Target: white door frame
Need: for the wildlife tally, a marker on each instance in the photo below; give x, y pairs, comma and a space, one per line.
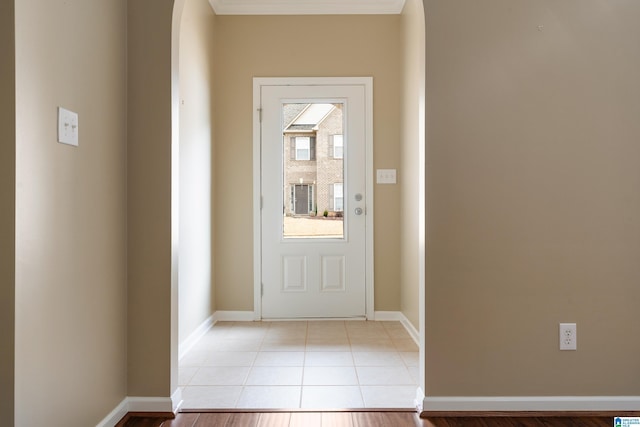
258, 83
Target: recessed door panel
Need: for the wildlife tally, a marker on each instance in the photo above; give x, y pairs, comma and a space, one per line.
333, 268
294, 273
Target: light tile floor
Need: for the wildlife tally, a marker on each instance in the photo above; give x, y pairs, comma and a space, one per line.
303, 364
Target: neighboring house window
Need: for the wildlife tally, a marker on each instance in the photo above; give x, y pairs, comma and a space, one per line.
336, 200
303, 148
336, 147
337, 197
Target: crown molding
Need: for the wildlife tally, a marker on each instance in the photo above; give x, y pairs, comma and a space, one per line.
307, 7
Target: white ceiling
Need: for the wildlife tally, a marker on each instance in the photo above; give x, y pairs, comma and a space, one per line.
306, 7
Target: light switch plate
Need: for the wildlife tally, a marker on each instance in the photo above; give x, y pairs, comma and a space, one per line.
67, 127
386, 176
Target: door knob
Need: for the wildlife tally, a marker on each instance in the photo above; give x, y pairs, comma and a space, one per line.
358, 211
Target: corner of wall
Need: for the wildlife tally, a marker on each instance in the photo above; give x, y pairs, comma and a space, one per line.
196, 33
149, 240
412, 160
7, 210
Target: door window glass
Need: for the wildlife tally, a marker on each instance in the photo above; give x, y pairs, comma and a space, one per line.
313, 152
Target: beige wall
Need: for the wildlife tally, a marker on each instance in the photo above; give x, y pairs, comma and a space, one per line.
531, 181
533, 214
7, 208
196, 296
412, 79
70, 223
149, 245
302, 46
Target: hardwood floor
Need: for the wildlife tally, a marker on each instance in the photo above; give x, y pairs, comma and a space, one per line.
356, 419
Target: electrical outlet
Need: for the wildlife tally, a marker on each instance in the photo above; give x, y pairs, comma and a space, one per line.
568, 336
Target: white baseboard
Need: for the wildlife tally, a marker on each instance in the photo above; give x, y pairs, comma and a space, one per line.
229, 316
412, 330
200, 331
116, 415
531, 403
419, 401
398, 316
194, 337
176, 400
234, 316
142, 404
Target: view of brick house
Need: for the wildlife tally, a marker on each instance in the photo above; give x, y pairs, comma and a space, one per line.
313, 159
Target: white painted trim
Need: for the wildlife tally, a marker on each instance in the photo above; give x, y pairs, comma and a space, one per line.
422, 199
398, 316
411, 330
532, 403
257, 198
142, 404
116, 415
258, 82
176, 400
204, 327
419, 401
369, 253
297, 7
194, 337
176, 21
234, 316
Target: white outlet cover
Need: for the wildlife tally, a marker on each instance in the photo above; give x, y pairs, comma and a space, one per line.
568, 336
67, 127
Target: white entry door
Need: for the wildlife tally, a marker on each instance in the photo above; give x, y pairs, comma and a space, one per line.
313, 187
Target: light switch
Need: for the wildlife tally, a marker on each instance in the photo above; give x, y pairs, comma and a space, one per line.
386, 176
67, 127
